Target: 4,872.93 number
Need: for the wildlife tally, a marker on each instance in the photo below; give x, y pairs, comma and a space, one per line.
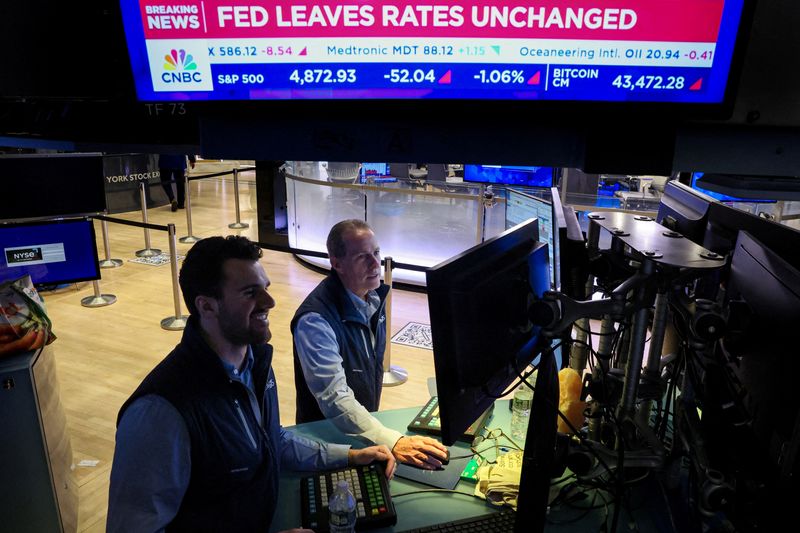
624, 81
323, 75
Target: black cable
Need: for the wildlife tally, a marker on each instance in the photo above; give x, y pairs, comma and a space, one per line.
434, 490
620, 487
546, 352
574, 430
586, 511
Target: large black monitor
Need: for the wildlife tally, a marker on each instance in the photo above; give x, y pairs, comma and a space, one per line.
51, 252
750, 414
483, 339
482, 336
684, 210
51, 185
725, 222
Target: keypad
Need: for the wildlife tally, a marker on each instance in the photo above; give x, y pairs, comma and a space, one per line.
369, 486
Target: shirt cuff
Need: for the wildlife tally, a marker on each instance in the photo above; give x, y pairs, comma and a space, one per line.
338, 455
388, 436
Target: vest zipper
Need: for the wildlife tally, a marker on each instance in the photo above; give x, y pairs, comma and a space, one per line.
364, 338
244, 423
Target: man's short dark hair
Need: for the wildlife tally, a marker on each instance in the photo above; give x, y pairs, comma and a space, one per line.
335, 243
202, 274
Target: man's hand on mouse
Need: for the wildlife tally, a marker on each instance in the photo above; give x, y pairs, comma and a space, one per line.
422, 452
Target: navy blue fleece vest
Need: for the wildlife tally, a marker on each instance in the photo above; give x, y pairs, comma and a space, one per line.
363, 364
235, 463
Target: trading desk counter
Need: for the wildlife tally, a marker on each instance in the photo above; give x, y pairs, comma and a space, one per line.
645, 504
413, 510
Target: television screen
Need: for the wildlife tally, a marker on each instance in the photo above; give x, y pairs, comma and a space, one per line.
61, 251
376, 173
722, 197
644, 51
51, 185
510, 175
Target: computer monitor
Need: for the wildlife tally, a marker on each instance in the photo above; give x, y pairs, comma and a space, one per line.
61, 251
684, 210
724, 223
399, 170
570, 250
510, 175
751, 419
696, 176
520, 207
51, 185
436, 172
483, 338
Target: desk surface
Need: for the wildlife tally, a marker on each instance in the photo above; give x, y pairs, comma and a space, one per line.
414, 510
426, 508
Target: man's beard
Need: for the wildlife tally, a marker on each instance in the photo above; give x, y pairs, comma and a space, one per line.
240, 335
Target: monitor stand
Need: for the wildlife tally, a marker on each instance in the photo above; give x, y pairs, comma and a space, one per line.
539, 454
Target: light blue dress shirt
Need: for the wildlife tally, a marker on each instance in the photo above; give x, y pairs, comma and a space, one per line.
152, 459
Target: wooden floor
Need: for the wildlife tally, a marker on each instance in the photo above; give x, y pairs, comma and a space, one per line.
103, 353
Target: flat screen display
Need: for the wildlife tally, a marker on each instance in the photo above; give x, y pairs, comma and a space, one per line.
723, 197
376, 173
52, 185
510, 175
521, 207
590, 50
51, 252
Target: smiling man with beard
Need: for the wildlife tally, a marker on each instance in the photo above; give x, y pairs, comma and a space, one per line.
339, 341
199, 443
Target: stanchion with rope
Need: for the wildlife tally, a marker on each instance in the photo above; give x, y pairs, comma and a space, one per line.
178, 321
238, 224
107, 262
147, 251
392, 375
98, 300
189, 238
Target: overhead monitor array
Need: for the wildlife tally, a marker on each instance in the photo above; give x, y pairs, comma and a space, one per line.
676, 51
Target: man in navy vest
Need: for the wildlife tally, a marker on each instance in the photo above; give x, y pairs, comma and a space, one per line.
339, 340
199, 443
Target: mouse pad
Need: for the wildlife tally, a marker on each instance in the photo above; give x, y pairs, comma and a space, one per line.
447, 478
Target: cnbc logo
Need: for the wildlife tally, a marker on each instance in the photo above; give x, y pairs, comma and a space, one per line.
179, 67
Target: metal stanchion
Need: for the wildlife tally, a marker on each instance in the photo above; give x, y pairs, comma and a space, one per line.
147, 251
392, 375
238, 224
107, 262
189, 238
177, 322
98, 300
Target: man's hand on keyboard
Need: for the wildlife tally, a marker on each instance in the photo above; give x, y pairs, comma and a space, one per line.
366, 456
419, 451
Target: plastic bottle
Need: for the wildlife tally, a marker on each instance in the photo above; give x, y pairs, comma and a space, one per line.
521, 412
342, 509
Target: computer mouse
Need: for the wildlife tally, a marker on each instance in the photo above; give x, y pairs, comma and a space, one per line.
446, 460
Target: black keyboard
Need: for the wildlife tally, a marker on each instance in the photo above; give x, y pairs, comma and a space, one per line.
374, 507
428, 422
499, 522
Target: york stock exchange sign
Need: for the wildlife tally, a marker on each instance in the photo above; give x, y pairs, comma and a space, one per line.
122, 175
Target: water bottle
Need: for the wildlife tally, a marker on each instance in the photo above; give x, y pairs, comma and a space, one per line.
342, 509
521, 412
